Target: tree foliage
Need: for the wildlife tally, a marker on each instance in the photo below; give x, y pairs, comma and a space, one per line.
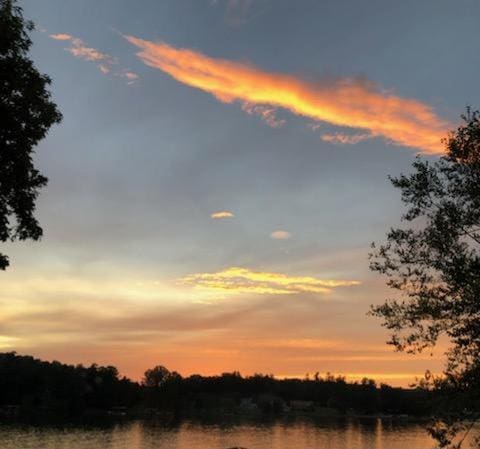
155, 377
38, 388
434, 266
27, 113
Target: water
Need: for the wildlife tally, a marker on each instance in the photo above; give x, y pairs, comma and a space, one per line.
297, 434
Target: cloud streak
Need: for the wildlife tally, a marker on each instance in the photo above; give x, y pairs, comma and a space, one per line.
267, 114
222, 214
243, 280
280, 235
343, 102
82, 51
106, 63
345, 139
61, 37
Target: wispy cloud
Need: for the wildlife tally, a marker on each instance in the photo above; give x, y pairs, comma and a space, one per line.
222, 214
266, 113
345, 139
105, 69
314, 126
344, 102
280, 235
243, 280
106, 63
239, 12
131, 77
80, 50
61, 37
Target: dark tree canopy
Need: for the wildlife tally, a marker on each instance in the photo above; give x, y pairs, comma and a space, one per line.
156, 377
32, 388
27, 114
434, 263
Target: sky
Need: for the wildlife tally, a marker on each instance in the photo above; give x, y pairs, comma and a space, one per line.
219, 175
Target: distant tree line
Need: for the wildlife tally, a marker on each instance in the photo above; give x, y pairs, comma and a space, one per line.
30, 387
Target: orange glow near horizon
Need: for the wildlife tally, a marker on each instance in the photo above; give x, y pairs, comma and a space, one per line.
345, 102
220, 361
235, 319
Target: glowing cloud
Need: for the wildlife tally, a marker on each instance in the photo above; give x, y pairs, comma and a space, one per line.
280, 235
88, 53
80, 50
344, 102
105, 62
243, 280
61, 37
222, 214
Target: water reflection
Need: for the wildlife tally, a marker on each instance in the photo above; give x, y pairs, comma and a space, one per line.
285, 434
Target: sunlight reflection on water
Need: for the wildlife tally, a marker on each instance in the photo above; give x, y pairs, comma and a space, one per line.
346, 434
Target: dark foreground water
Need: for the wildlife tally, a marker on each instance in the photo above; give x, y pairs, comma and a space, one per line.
297, 434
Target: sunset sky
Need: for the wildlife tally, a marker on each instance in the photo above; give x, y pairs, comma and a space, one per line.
219, 175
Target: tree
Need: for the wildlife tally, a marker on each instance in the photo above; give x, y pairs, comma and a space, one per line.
27, 114
155, 377
434, 266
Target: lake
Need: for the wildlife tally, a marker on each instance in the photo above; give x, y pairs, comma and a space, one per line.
285, 434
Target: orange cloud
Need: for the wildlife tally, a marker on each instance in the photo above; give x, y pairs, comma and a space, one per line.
88, 53
106, 63
222, 214
61, 37
345, 102
280, 235
243, 280
80, 50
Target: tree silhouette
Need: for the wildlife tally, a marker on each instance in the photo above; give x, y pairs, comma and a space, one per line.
434, 265
27, 114
36, 388
155, 377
